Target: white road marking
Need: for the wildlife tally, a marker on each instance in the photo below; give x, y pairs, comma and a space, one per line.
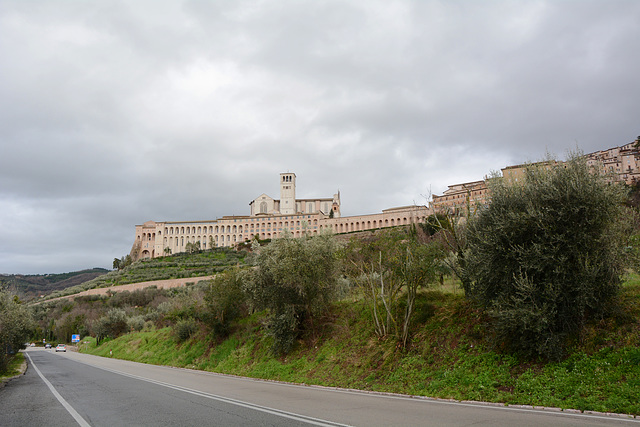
278, 412
391, 396
81, 421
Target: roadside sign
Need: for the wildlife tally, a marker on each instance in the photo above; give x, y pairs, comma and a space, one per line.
75, 338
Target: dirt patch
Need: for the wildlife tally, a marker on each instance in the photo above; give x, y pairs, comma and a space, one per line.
160, 284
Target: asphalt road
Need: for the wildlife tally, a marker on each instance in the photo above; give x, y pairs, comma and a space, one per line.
77, 389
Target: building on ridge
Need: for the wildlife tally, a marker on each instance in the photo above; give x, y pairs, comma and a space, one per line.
268, 218
459, 197
289, 205
620, 164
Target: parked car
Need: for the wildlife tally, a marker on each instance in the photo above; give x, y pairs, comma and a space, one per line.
47, 345
61, 347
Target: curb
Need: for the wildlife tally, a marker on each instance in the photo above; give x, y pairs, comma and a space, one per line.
478, 403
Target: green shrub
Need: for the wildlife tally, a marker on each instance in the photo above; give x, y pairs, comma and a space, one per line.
545, 255
15, 326
225, 299
112, 325
184, 329
136, 323
296, 279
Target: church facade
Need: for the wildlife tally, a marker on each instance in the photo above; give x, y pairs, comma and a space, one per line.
268, 218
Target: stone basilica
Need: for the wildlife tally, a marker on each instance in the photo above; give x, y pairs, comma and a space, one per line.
268, 218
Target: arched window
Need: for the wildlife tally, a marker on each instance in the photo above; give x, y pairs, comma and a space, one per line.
263, 207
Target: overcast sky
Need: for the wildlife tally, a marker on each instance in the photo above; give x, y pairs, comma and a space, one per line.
113, 113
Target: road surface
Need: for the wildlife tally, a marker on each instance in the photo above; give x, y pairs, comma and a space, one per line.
78, 389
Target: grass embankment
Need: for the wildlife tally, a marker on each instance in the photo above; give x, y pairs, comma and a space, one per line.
13, 368
448, 357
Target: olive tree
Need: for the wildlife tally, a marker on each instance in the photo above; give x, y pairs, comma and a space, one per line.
192, 247
545, 255
296, 279
225, 299
389, 269
111, 325
16, 325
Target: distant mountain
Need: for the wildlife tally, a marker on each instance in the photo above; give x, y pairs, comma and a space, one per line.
33, 285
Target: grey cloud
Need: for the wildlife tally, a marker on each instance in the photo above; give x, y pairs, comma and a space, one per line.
116, 113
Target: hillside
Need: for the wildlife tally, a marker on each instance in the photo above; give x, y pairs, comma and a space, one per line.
178, 266
32, 286
217, 326
449, 356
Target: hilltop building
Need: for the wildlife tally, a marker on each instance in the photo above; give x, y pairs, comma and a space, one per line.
459, 197
621, 164
268, 218
289, 205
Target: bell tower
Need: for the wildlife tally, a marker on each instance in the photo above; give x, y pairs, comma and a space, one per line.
288, 193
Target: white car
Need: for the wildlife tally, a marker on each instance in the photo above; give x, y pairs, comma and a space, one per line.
61, 347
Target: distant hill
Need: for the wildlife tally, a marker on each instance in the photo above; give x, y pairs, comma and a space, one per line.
176, 266
33, 285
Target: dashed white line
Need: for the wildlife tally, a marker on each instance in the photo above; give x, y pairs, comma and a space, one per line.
76, 416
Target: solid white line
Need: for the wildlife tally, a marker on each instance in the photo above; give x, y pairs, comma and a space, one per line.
272, 411
278, 412
81, 421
